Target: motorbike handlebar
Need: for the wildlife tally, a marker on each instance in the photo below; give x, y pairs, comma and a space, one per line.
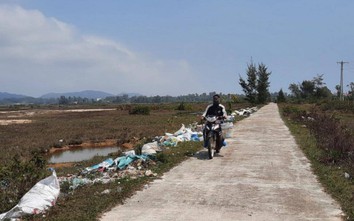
217, 119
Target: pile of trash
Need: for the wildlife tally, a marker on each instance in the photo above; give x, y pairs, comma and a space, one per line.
131, 164
244, 112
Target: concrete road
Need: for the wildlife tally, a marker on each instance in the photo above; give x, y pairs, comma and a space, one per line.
260, 175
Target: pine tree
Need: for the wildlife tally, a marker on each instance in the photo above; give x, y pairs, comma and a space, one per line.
262, 84
249, 87
281, 97
257, 84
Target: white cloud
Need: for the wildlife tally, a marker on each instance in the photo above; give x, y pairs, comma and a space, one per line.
39, 54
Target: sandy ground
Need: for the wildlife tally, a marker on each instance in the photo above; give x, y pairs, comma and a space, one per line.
15, 121
20, 117
260, 175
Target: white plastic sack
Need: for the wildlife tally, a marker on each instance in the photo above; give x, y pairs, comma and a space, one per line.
129, 153
180, 131
38, 199
150, 148
227, 125
227, 129
186, 136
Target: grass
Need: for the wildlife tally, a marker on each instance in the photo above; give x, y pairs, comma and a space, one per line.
75, 127
330, 175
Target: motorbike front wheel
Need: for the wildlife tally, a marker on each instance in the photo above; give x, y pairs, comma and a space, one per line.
211, 146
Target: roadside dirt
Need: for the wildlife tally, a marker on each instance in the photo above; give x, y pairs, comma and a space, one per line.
260, 175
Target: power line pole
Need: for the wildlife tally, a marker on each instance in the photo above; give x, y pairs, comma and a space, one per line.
341, 79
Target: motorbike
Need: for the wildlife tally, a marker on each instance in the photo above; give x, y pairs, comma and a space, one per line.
212, 134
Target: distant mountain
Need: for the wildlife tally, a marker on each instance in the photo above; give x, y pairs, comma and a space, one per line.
84, 94
5, 95
8, 98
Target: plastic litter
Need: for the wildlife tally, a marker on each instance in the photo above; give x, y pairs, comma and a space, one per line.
124, 161
180, 131
244, 112
105, 164
150, 148
76, 182
227, 129
38, 199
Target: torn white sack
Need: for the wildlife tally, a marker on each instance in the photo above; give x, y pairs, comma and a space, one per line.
38, 199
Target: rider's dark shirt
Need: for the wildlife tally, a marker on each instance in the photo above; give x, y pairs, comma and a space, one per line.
215, 110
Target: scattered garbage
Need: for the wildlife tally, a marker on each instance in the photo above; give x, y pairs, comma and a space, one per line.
106, 191
105, 164
130, 164
307, 118
45, 193
346, 175
124, 161
38, 199
151, 148
245, 112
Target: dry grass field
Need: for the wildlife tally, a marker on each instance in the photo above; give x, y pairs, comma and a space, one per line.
24, 131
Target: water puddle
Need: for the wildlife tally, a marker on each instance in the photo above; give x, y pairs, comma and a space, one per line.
80, 154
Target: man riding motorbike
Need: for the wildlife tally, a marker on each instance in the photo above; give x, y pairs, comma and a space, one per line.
215, 109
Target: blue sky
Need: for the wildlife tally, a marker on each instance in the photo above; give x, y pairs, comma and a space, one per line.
171, 47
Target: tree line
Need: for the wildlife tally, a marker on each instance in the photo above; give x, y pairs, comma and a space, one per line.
314, 90
122, 99
255, 88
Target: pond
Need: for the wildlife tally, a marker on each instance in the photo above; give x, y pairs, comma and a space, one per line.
80, 154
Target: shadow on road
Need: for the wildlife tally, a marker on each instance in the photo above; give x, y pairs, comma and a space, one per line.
203, 155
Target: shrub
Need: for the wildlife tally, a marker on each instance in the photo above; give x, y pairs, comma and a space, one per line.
161, 157
18, 177
293, 112
345, 106
141, 110
332, 137
77, 141
183, 107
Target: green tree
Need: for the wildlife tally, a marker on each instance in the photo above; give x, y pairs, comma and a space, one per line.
249, 87
262, 84
321, 91
295, 90
281, 97
351, 91
311, 89
257, 84
338, 89
63, 100
307, 89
